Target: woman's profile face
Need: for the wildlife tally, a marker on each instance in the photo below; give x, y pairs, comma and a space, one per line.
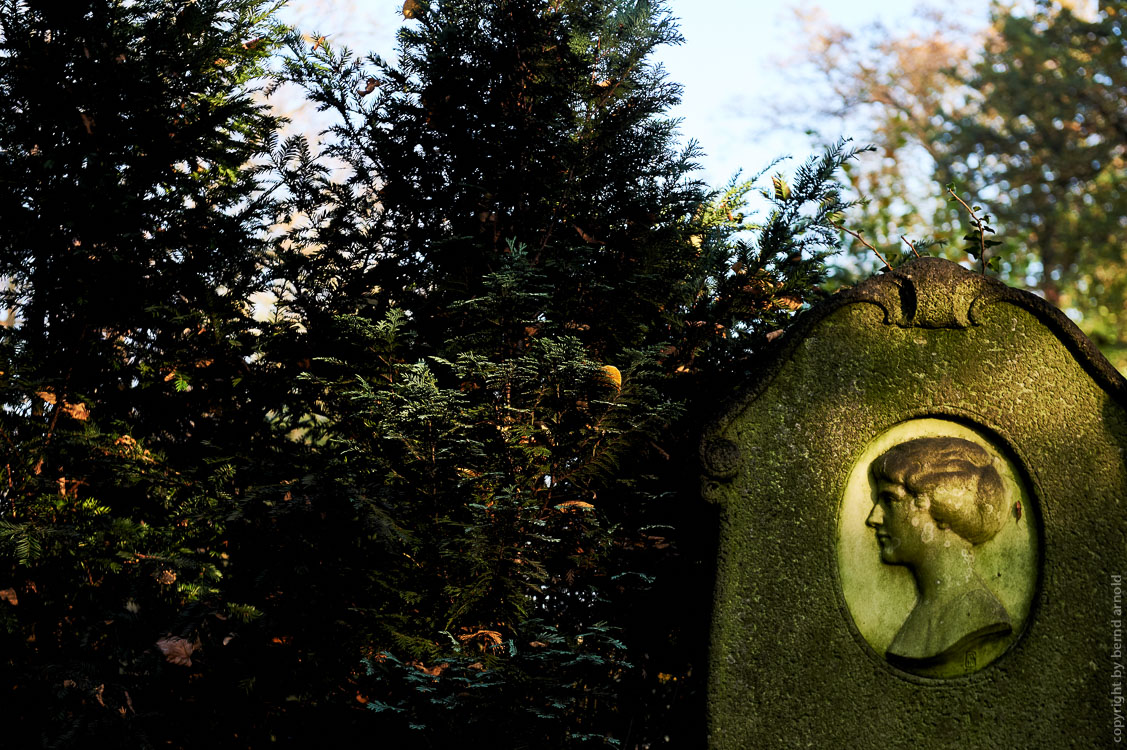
904, 526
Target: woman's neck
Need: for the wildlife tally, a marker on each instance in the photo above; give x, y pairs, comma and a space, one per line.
946, 570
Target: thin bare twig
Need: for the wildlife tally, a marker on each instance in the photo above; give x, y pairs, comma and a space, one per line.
911, 245
865, 243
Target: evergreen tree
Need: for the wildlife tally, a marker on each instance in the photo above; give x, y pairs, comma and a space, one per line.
503, 312
448, 487
132, 218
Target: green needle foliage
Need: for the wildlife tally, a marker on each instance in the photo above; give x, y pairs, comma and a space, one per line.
132, 214
445, 495
513, 304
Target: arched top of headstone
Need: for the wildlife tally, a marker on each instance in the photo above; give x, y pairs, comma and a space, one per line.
929, 293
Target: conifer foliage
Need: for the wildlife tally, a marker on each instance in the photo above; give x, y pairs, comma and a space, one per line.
445, 496
131, 217
513, 242
525, 286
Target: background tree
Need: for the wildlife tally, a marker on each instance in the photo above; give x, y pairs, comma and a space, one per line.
1020, 117
1045, 151
896, 89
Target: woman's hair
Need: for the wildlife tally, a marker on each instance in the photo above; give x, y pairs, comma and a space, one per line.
957, 476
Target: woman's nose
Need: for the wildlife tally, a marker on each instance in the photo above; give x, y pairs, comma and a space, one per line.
876, 516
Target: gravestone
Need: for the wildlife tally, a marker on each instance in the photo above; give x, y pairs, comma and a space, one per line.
924, 527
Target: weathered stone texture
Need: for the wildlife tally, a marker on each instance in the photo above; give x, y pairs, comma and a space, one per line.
788, 667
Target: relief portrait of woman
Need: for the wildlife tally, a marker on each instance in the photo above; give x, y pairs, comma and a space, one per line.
936, 499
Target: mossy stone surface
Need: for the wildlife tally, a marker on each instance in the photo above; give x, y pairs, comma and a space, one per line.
790, 665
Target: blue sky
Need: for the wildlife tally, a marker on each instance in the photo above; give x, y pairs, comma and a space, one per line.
731, 65
750, 44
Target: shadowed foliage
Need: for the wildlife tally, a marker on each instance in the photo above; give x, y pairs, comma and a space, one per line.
446, 481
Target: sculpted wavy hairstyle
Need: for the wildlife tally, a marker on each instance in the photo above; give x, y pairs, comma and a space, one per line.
957, 477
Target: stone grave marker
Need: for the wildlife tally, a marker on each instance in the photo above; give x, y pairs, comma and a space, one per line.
924, 527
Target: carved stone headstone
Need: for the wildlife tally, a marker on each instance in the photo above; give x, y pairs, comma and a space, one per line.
925, 521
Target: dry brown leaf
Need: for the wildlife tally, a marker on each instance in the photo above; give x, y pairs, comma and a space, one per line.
538, 644
477, 665
9, 595
77, 411
413, 9
434, 671
127, 441
46, 396
588, 238
177, 650
788, 303
87, 122
490, 635
371, 86
568, 505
